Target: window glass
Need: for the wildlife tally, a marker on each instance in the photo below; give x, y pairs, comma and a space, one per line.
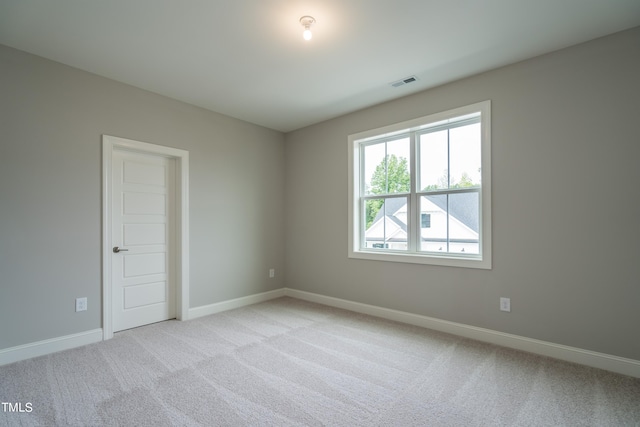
434, 238
434, 162
465, 156
464, 221
386, 167
374, 155
386, 223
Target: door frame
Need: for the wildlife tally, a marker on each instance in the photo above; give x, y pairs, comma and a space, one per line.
181, 250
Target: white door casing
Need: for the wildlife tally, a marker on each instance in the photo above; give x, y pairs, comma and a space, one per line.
145, 214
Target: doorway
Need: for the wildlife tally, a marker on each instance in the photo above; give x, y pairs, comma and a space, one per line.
145, 234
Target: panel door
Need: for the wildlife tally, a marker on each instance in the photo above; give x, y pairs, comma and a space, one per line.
143, 234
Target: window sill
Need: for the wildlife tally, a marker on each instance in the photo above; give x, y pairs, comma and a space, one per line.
445, 261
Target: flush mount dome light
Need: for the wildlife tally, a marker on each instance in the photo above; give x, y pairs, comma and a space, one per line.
306, 22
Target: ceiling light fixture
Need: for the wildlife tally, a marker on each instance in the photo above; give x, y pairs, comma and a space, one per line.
306, 22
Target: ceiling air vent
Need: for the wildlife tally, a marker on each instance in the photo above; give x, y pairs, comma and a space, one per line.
404, 81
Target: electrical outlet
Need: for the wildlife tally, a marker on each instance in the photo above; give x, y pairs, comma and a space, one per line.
81, 304
505, 304
272, 273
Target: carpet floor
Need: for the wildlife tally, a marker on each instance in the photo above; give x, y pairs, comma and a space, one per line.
288, 362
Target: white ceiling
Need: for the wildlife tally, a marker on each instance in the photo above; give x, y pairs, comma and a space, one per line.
247, 58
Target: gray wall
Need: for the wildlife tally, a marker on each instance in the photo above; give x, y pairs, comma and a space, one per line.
566, 240
51, 121
566, 204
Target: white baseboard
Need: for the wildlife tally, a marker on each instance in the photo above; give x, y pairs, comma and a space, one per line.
206, 310
53, 345
594, 359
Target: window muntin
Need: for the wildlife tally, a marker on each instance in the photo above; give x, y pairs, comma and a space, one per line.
429, 201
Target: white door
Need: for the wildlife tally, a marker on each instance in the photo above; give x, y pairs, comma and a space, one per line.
143, 239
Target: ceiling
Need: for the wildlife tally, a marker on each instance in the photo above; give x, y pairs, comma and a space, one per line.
247, 58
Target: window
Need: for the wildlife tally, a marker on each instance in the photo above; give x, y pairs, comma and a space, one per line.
420, 190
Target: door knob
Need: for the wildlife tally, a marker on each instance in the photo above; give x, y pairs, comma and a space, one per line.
117, 249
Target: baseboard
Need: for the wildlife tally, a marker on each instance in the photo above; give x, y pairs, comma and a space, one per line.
53, 345
206, 310
594, 359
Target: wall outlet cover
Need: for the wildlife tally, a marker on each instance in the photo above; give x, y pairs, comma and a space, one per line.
81, 304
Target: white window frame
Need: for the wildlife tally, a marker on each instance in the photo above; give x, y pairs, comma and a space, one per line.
355, 141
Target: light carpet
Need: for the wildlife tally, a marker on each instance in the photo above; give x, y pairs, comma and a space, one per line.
288, 362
